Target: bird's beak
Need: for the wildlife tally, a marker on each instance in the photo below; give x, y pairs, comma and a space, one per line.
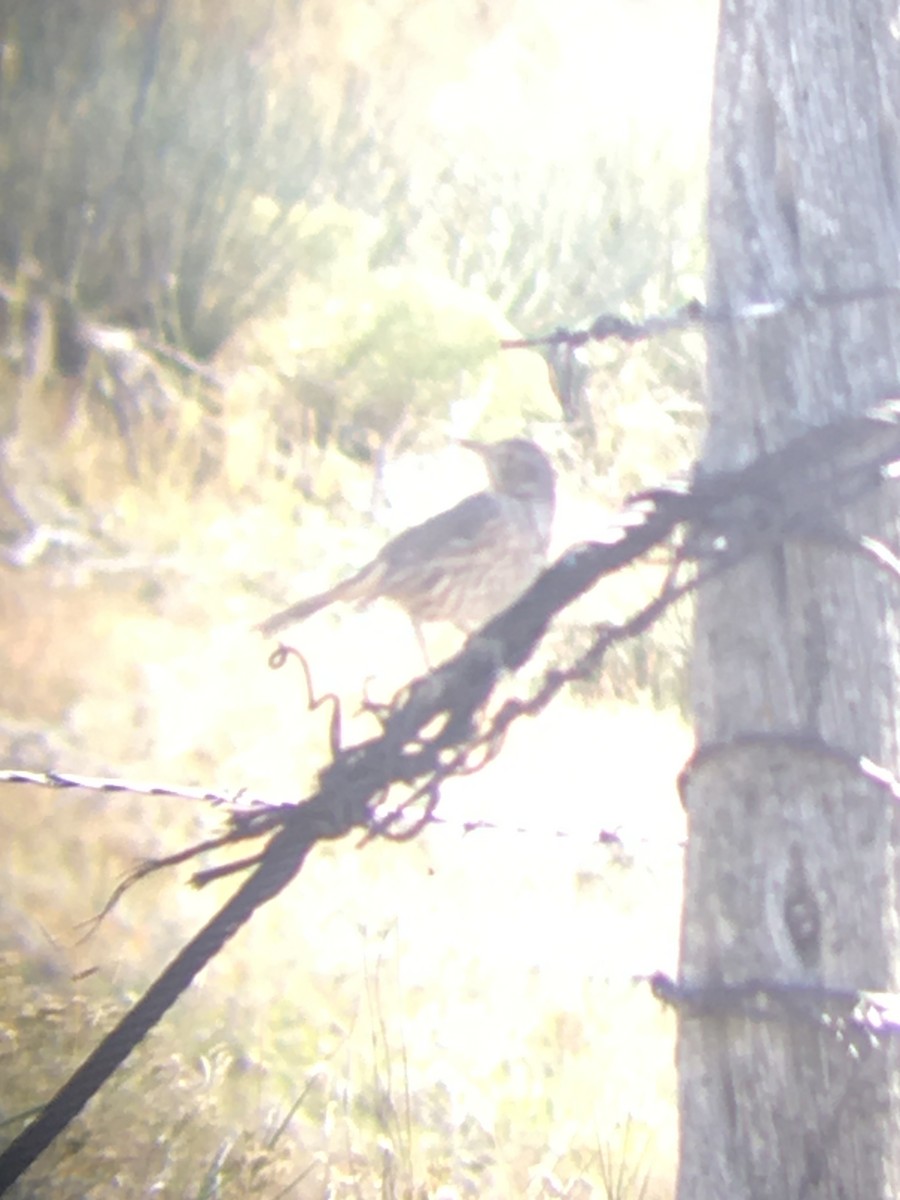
470, 444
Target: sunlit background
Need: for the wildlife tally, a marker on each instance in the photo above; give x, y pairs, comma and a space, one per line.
255, 261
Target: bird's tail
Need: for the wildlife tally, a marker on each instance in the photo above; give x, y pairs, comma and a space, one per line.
354, 588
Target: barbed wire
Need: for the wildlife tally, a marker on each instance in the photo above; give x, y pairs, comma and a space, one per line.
861, 1018
799, 742
696, 315
239, 804
97, 783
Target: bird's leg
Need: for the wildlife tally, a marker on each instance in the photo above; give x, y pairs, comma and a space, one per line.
420, 638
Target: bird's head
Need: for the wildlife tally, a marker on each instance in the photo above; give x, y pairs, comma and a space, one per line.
517, 467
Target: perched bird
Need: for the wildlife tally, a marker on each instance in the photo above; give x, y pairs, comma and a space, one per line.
465, 564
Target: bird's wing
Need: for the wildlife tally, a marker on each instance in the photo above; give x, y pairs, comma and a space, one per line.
467, 524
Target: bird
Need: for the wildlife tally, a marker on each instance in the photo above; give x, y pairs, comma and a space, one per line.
465, 564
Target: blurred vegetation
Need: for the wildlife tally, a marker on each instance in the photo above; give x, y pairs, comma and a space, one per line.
251, 255
182, 170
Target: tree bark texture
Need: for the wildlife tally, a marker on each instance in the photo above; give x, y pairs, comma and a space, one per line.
791, 872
